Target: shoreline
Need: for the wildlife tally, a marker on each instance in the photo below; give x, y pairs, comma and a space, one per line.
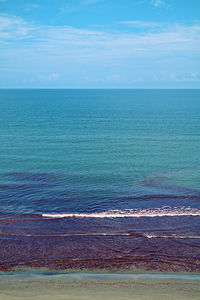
101, 275
88, 286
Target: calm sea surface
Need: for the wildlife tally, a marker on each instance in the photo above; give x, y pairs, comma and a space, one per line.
100, 178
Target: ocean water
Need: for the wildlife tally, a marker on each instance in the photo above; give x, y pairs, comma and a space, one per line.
100, 179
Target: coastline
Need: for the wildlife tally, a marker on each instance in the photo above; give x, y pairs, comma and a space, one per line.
93, 285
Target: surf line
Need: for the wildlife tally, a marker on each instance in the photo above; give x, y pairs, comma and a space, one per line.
137, 235
150, 213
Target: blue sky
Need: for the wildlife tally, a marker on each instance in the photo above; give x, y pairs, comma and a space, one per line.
99, 44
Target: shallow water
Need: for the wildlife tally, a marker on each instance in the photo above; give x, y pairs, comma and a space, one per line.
94, 287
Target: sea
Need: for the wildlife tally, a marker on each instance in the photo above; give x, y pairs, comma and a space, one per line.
100, 179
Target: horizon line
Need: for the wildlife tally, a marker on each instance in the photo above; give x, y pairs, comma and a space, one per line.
82, 88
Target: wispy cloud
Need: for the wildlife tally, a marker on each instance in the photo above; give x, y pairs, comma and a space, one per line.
49, 77
141, 24
113, 77
158, 3
34, 5
66, 8
13, 27
185, 77
48, 52
31, 6
75, 6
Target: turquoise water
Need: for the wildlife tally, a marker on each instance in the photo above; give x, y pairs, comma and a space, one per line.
100, 142
102, 276
108, 152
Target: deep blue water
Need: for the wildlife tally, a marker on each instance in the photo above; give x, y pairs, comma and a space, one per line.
109, 153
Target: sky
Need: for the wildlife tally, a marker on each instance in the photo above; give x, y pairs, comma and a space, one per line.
99, 44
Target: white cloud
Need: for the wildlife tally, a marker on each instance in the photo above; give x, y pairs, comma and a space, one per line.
99, 55
184, 77
77, 5
49, 77
142, 24
14, 28
158, 3
35, 5
113, 77
67, 8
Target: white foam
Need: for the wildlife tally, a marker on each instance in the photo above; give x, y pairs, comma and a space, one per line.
146, 235
153, 236
131, 213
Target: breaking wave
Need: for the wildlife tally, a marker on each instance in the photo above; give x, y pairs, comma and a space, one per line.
131, 213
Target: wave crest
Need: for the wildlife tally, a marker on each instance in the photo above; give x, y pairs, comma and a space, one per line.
131, 213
